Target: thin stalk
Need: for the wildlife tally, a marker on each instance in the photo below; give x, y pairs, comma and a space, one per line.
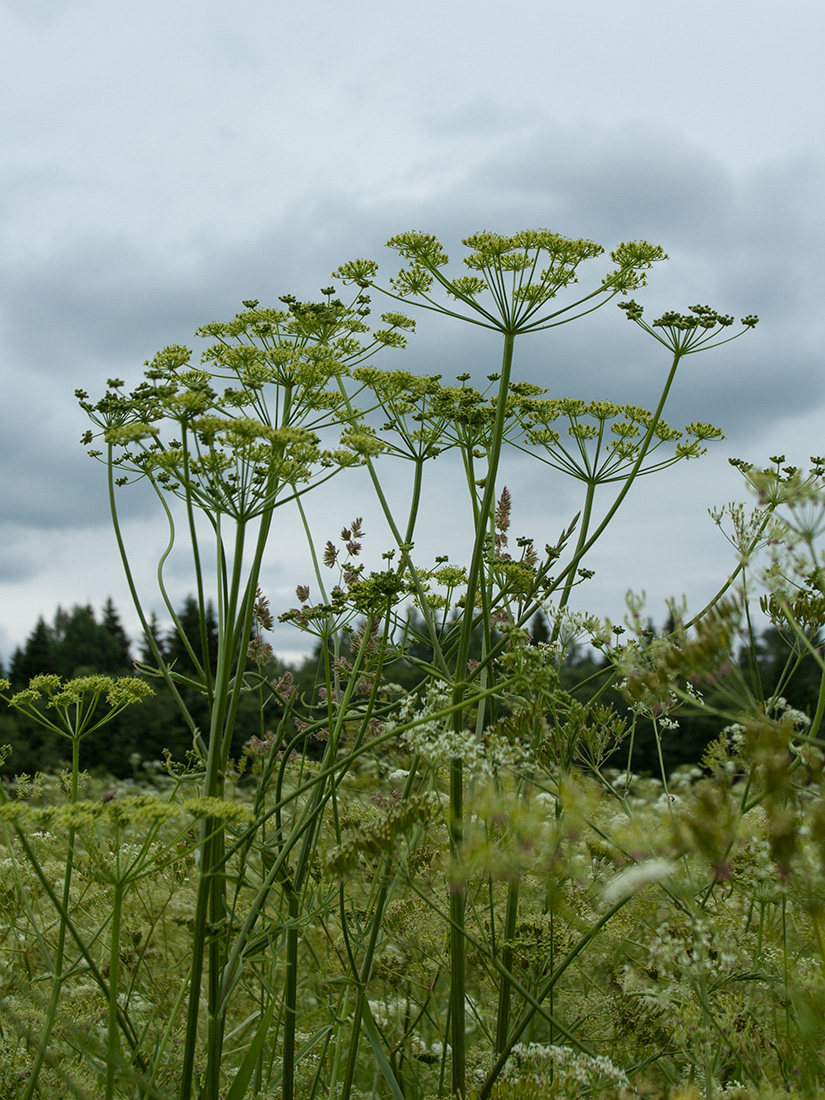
404, 541
342, 765
130, 581
740, 568
113, 1052
211, 882
457, 891
504, 989
57, 984
295, 886
340, 1016
584, 527
193, 538
128, 1030
529, 998
291, 994
363, 982
543, 993
820, 709
312, 552
235, 612
487, 504
214, 831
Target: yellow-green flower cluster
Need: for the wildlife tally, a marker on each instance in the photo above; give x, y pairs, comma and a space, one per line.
515, 277
687, 333
380, 836
76, 701
241, 450
607, 437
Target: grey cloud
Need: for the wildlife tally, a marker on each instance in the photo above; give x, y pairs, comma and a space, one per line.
98, 302
100, 307
747, 243
17, 562
37, 12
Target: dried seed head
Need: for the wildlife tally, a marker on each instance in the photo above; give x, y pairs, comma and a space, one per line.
261, 612
503, 510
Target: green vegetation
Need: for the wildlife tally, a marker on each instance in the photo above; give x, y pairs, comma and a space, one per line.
136, 741
433, 868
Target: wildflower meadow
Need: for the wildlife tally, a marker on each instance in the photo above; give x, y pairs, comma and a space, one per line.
456, 882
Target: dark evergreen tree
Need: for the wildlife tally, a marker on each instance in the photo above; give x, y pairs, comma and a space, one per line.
78, 644
147, 657
121, 646
196, 628
82, 645
36, 657
539, 630
33, 748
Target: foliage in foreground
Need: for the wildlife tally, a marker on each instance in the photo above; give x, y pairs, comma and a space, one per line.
661, 943
446, 890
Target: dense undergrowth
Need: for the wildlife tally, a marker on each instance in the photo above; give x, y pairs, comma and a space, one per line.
459, 886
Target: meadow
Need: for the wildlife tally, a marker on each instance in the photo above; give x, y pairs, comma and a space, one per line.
459, 886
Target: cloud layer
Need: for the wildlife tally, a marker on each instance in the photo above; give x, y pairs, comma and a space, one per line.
172, 169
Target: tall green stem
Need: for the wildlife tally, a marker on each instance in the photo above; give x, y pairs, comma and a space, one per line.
584, 526
457, 890
113, 1035
504, 989
57, 984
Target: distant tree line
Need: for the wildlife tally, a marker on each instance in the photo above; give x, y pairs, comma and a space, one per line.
80, 642
752, 674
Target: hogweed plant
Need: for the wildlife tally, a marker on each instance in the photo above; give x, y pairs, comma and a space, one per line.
514, 292
460, 887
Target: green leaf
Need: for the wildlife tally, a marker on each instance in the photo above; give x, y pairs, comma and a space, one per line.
244, 1075
380, 1057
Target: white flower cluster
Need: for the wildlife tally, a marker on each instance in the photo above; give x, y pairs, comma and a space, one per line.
736, 737
570, 1065
682, 954
438, 743
694, 693
572, 627
779, 706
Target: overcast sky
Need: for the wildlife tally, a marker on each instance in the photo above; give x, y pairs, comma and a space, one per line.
162, 161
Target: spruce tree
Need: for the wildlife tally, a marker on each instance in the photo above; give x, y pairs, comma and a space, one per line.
147, 657
35, 658
81, 645
539, 631
121, 656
